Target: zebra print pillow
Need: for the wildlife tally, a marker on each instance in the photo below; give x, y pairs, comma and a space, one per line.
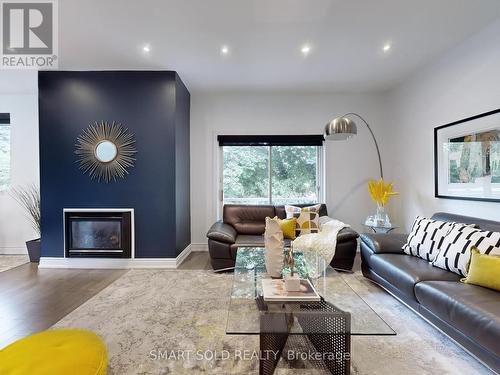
455, 253
426, 238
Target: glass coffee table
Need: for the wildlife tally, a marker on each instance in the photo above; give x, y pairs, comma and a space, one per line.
325, 326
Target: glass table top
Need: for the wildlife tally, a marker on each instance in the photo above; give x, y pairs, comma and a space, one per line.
392, 226
341, 311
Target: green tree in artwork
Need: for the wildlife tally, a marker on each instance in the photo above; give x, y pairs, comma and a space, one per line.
454, 176
495, 162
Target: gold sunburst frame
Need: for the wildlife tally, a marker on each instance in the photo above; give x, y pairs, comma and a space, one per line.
91, 137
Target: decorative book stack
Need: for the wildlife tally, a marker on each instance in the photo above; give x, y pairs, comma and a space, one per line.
274, 290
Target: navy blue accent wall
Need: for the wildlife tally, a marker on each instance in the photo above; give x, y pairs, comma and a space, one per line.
154, 105
182, 167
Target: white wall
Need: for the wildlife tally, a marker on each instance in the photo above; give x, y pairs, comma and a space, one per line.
349, 164
462, 83
19, 97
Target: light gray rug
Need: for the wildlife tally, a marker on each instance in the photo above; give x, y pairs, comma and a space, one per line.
147, 311
10, 261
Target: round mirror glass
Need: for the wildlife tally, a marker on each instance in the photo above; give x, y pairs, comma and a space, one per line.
105, 151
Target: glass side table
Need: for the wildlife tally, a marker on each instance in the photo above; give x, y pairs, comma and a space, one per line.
381, 228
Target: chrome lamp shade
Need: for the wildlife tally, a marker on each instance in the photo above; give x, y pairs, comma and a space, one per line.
340, 129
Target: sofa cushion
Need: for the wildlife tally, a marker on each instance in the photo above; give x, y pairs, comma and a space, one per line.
248, 240
247, 219
473, 310
245, 240
404, 271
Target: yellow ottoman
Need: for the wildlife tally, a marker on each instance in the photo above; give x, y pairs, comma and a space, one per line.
55, 352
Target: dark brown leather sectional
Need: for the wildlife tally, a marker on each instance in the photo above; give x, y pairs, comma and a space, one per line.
244, 225
469, 314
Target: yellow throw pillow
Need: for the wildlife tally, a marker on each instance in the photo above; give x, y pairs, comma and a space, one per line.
288, 227
484, 270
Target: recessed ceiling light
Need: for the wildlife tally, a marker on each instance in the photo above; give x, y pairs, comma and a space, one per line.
224, 50
387, 47
146, 48
305, 49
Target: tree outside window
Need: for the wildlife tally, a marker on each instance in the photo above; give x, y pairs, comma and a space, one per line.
293, 178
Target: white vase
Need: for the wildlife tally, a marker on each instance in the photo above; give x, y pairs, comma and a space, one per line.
273, 239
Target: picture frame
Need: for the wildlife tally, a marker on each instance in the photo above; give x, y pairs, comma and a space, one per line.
467, 158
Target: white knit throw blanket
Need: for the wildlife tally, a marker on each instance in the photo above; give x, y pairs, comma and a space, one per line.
324, 242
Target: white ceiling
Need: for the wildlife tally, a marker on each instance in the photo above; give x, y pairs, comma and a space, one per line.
265, 37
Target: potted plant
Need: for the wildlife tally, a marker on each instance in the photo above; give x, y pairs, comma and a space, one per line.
28, 198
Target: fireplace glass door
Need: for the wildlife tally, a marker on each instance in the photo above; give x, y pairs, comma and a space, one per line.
97, 234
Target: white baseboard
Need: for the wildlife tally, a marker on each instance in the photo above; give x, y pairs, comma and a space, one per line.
183, 255
199, 247
109, 263
13, 250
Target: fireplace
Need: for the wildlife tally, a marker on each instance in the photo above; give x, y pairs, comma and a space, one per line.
98, 233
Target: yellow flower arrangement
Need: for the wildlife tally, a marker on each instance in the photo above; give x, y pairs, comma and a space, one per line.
381, 192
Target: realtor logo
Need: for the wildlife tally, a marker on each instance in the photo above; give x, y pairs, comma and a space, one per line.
29, 34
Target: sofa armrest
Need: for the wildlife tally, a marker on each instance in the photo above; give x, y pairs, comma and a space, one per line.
222, 232
346, 234
384, 243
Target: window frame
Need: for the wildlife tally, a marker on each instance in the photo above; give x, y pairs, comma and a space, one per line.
320, 176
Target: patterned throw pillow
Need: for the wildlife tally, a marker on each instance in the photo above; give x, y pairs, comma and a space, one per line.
455, 252
426, 238
307, 218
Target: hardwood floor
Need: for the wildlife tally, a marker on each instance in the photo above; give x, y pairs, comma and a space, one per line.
32, 299
198, 260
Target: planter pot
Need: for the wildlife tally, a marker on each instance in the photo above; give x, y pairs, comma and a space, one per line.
33, 247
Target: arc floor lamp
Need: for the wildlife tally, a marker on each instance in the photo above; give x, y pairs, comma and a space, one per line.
342, 128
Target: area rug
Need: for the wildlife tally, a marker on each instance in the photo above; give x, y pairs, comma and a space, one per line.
11, 261
173, 322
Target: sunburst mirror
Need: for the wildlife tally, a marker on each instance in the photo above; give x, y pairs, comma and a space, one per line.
105, 151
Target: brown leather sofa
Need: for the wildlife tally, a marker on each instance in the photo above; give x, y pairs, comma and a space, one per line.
467, 313
244, 225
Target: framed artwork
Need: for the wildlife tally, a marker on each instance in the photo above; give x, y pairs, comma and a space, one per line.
467, 158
